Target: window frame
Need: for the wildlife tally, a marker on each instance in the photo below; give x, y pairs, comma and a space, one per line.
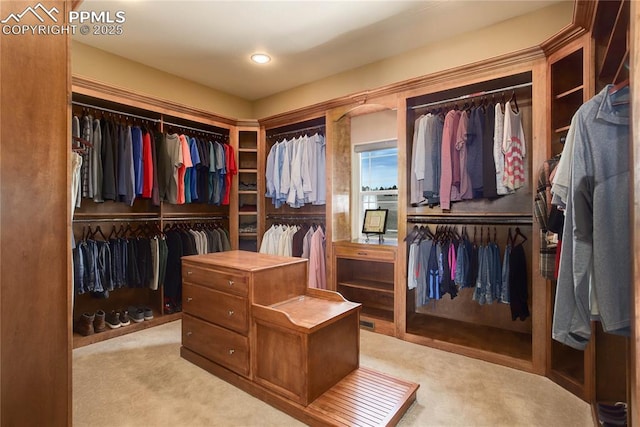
358, 205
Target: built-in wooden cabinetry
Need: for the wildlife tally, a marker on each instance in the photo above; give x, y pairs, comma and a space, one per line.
570, 86
366, 273
612, 356
577, 71
117, 217
277, 131
250, 200
459, 323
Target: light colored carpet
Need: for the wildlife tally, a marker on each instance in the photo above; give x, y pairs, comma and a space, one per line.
140, 380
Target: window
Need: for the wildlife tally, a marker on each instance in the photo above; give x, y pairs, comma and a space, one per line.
377, 182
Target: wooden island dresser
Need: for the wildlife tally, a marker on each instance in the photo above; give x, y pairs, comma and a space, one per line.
251, 320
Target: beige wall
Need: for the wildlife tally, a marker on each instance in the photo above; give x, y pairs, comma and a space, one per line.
508, 36
379, 126
97, 64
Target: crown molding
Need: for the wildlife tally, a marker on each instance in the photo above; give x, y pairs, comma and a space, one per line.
97, 89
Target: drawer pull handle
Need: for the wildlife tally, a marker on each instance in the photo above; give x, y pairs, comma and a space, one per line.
189, 333
231, 313
362, 253
189, 299
230, 282
231, 351
189, 272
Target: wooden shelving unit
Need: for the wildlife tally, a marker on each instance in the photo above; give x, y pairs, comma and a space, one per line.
248, 200
114, 214
365, 273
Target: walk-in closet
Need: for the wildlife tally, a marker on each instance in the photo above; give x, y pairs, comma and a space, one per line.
138, 196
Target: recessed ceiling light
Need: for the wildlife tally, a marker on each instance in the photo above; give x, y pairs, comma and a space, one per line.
260, 58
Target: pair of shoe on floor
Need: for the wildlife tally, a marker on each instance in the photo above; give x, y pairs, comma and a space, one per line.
610, 415
116, 319
89, 323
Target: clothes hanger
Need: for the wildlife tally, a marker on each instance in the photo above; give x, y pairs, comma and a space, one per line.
515, 101
519, 233
99, 231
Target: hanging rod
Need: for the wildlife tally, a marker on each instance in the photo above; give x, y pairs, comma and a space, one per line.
195, 218
195, 129
99, 219
296, 216
95, 107
273, 135
472, 220
472, 95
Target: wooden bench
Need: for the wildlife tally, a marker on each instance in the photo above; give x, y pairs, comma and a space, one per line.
306, 344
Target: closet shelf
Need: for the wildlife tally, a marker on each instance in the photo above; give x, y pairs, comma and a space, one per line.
484, 342
568, 381
81, 341
248, 213
377, 314
569, 92
248, 192
369, 285
151, 216
247, 150
193, 215
247, 170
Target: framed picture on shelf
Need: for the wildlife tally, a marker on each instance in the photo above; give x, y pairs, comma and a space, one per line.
375, 221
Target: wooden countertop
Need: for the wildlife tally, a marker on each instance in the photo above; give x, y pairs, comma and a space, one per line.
309, 312
242, 260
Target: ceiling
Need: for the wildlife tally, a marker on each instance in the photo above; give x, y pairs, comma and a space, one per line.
210, 42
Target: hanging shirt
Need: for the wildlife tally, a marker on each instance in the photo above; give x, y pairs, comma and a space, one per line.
164, 166
498, 154
126, 174
321, 185
109, 163
448, 190
174, 153
96, 162
147, 166
86, 133
461, 150
595, 260
136, 138
317, 268
182, 169
418, 160
269, 172
514, 148
230, 164
475, 133
488, 162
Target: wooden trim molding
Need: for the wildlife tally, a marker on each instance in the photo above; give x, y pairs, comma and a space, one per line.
584, 12
565, 36
90, 87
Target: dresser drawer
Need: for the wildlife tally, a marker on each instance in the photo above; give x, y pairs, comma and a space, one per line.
220, 345
224, 309
365, 252
217, 279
